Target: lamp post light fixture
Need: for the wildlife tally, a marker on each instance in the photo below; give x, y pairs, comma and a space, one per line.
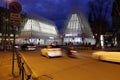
8, 1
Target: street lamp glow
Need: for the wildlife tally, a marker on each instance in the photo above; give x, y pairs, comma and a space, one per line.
9, 1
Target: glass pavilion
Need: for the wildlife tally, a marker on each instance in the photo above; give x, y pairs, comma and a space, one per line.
77, 30
40, 32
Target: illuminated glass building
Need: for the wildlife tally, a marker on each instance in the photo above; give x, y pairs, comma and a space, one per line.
38, 31
77, 30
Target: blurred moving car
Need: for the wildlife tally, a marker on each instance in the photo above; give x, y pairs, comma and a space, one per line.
107, 56
29, 47
51, 51
17, 46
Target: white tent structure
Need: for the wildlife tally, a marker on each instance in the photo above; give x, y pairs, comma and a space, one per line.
77, 30
40, 31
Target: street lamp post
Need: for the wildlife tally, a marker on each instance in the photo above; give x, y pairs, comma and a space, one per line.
15, 9
6, 22
14, 30
5, 30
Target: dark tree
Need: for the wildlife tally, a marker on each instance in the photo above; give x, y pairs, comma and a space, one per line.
97, 16
116, 20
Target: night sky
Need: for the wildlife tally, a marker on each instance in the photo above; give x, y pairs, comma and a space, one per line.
55, 10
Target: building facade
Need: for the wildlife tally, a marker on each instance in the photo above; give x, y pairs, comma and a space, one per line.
77, 30
31, 30
6, 28
39, 31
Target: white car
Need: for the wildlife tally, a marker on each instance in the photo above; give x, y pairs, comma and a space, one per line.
107, 56
51, 52
29, 47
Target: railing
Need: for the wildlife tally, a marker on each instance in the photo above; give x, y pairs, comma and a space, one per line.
23, 70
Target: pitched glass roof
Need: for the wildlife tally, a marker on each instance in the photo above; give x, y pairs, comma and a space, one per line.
37, 28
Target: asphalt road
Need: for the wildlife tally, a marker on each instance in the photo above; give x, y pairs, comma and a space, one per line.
66, 68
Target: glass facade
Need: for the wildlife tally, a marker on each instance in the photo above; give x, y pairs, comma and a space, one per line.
77, 30
46, 28
39, 32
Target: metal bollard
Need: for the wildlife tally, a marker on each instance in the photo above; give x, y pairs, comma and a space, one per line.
28, 77
20, 65
22, 71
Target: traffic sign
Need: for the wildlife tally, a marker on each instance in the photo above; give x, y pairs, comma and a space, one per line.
15, 7
15, 18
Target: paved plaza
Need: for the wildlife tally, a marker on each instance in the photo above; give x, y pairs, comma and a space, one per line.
62, 68
6, 66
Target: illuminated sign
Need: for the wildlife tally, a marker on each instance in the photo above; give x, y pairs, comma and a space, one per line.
71, 34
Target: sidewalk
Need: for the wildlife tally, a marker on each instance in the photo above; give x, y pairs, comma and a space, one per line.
6, 66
